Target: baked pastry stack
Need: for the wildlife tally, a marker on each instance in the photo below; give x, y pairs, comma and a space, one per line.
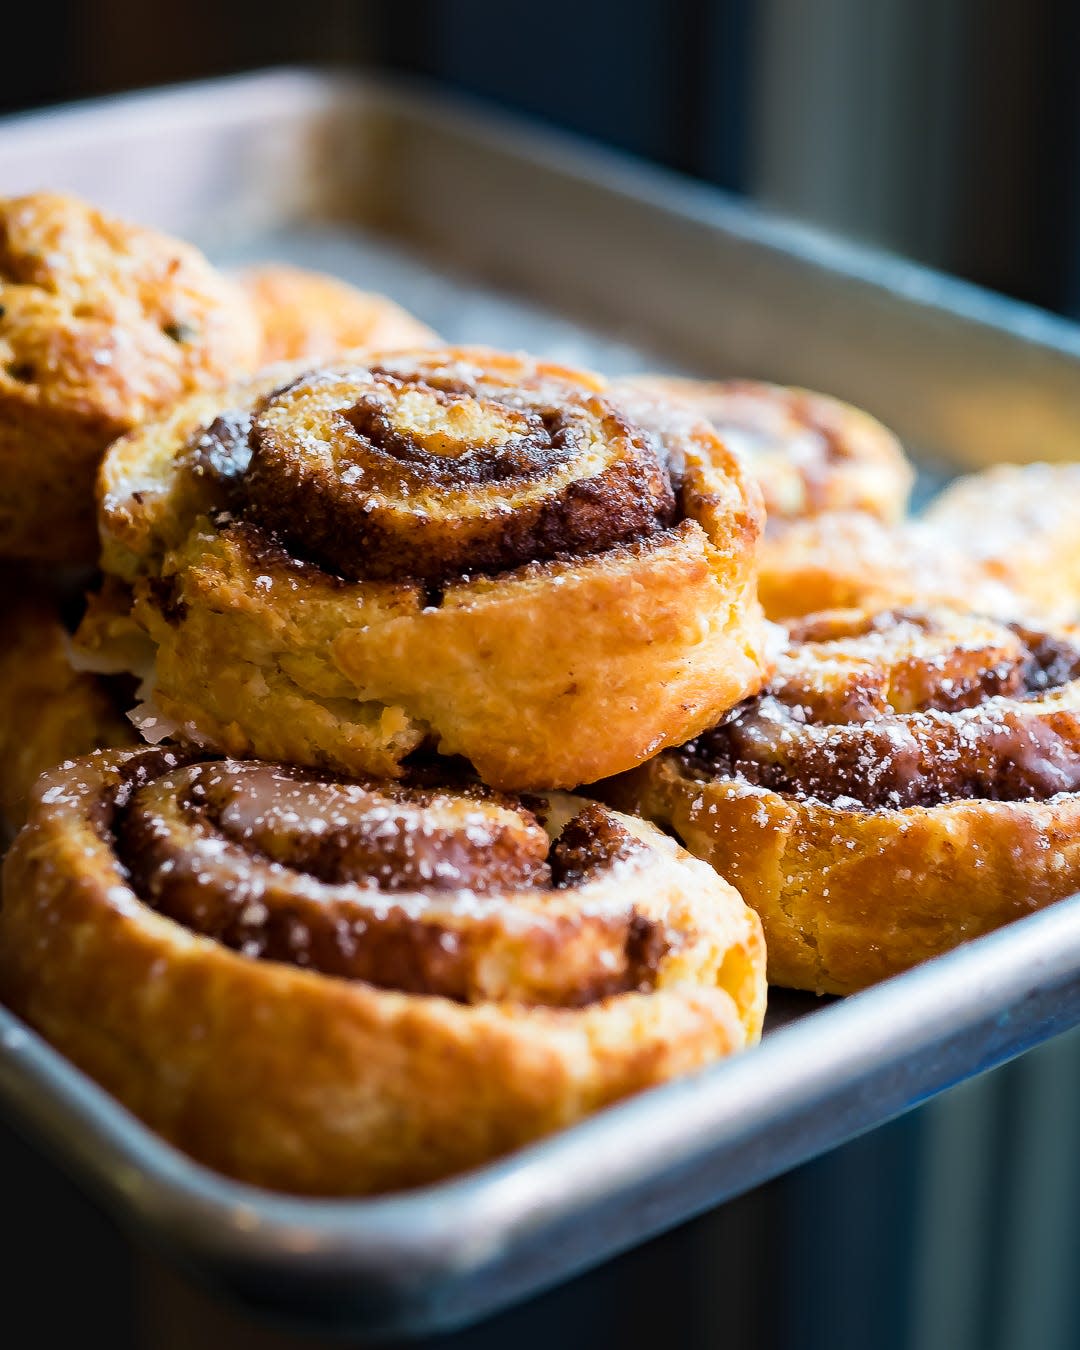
308, 937
319, 908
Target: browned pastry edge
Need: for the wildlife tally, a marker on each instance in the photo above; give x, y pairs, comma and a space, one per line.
893, 792
49, 711
282, 1076
552, 673
305, 315
102, 324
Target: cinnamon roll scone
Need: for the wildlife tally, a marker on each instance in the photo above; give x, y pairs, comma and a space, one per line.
304, 314
809, 453
102, 324
1005, 541
50, 711
337, 987
1019, 524
907, 781
849, 559
457, 549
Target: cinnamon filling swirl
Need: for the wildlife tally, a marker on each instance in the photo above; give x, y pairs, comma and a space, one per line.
810, 453
907, 709
460, 893
382, 475
222, 452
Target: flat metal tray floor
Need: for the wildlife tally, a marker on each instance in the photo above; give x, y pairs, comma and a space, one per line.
506, 238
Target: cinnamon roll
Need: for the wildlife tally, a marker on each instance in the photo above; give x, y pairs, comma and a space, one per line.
50, 711
907, 781
102, 324
337, 987
1005, 541
848, 559
457, 549
308, 315
1019, 524
809, 453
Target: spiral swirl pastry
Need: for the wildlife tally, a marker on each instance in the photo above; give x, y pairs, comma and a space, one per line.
339, 987
484, 554
809, 453
908, 780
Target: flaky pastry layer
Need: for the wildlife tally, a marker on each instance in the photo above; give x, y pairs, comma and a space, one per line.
848, 559
49, 711
906, 782
1005, 541
636, 627
219, 1027
1019, 524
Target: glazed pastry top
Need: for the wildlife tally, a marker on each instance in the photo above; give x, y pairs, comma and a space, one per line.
908, 708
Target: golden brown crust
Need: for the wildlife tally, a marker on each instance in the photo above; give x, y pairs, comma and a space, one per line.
848, 559
809, 453
1020, 526
905, 783
1005, 542
157, 479
102, 324
257, 1063
631, 631
49, 711
310, 316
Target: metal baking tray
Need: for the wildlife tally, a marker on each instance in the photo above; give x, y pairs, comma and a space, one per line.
499, 233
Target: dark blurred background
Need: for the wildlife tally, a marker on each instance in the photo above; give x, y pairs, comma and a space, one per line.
946, 130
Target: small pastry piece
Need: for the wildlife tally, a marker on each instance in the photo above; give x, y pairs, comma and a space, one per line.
810, 453
1020, 525
457, 549
848, 559
338, 988
908, 780
49, 711
309, 315
102, 324
1003, 542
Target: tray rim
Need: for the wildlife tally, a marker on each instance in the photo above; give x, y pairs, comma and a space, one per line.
310, 88
412, 1239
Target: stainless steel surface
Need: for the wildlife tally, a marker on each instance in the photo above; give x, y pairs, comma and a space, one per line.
519, 239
